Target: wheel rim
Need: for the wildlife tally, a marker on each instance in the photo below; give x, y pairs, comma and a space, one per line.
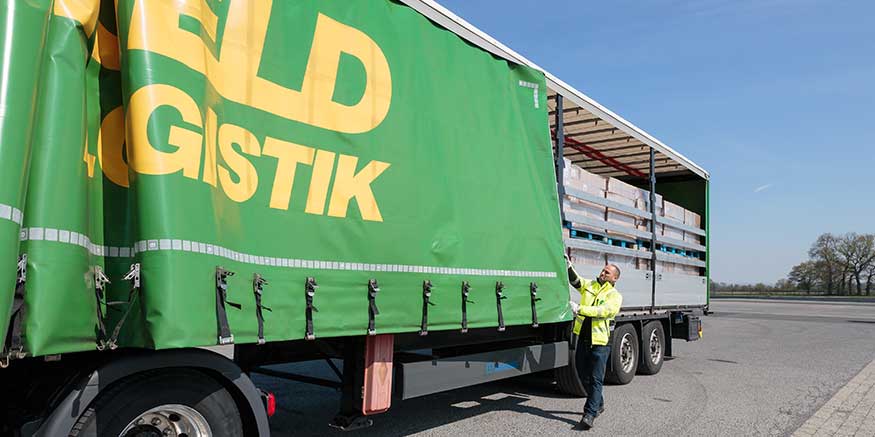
655, 348
627, 353
171, 420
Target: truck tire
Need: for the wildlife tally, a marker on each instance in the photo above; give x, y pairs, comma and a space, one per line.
185, 401
652, 348
568, 378
623, 360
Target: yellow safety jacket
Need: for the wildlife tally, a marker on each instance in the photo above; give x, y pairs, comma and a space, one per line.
600, 303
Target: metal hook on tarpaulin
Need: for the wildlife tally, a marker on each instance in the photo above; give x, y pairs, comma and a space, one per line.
426, 301
310, 287
258, 283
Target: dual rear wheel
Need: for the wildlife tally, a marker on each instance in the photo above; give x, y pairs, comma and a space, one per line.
630, 354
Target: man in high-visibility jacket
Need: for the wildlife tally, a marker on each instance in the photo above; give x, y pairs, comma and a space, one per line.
599, 304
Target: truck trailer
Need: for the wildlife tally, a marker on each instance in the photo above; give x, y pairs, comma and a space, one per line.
194, 191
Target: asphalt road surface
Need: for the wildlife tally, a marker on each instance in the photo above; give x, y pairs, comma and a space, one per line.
762, 368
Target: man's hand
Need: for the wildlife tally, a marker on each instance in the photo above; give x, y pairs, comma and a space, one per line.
574, 306
568, 261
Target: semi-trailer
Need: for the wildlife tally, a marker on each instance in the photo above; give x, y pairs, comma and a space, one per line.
192, 191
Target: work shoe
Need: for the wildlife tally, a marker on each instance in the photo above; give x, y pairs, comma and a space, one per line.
586, 423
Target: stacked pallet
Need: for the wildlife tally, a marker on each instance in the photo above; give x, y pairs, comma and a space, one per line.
633, 197
676, 213
584, 217
586, 182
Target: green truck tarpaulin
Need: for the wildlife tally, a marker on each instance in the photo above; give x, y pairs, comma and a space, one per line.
344, 141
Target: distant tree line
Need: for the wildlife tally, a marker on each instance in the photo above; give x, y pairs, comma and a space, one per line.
837, 265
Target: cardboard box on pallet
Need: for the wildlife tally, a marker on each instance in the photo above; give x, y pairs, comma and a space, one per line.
619, 217
688, 270
665, 267
617, 186
625, 263
587, 257
694, 220
582, 207
583, 180
673, 213
644, 204
589, 183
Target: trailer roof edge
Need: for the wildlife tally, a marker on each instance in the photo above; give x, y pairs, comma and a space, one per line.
472, 34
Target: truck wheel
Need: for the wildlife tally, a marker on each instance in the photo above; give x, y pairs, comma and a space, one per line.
181, 403
652, 348
623, 360
568, 377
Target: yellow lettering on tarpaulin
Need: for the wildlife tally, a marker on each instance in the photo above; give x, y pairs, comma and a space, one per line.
88, 158
84, 12
348, 185
319, 182
232, 70
110, 144
155, 28
142, 155
210, 148
289, 155
247, 176
105, 50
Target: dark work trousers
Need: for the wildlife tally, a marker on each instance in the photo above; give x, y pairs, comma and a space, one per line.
591, 362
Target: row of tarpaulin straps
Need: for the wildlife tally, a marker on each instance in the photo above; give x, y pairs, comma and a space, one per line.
13, 346
226, 337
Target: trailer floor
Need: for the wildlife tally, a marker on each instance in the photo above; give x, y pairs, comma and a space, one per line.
763, 368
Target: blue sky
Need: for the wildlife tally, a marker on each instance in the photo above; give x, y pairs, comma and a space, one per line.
775, 98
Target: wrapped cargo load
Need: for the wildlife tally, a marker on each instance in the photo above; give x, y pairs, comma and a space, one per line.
336, 148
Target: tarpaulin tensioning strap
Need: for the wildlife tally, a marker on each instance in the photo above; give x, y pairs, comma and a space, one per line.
14, 348
225, 336
373, 288
533, 288
133, 275
258, 283
426, 301
100, 281
466, 289
499, 296
309, 292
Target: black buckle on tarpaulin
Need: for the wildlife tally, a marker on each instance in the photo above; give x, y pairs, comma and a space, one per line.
499, 296
258, 283
225, 336
466, 290
426, 301
373, 289
533, 289
310, 287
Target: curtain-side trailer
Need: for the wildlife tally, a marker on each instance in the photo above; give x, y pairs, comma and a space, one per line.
192, 191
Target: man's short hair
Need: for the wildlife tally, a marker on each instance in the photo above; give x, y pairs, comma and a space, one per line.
617, 269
